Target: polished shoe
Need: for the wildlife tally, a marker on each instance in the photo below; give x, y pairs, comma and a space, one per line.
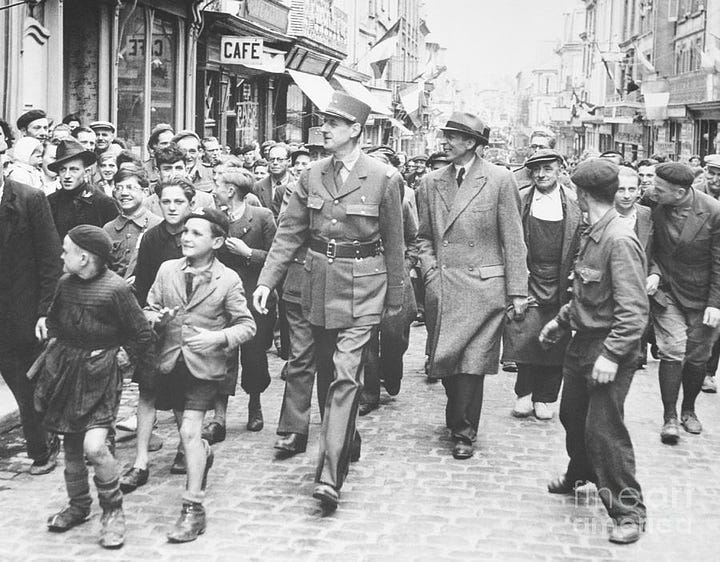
463, 450
178, 465
255, 415
209, 460
523, 406
66, 519
563, 485
509, 366
190, 524
292, 443
542, 411
392, 386
367, 407
214, 432
49, 461
133, 479
329, 497
709, 384
626, 533
112, 532
670, 432
691, 423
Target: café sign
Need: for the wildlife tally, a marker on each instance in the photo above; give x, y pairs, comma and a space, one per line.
247, 51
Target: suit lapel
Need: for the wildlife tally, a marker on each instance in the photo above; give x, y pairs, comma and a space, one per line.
442, 186
471, 186
243, 225
694, 222
178, 282
643, 227
356, 177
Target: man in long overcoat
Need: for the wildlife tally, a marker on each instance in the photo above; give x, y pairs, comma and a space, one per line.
473, 260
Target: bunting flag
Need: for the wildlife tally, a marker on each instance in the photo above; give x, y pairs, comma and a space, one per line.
644, 61
383, 50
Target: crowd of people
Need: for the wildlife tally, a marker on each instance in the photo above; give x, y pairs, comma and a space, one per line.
182, 271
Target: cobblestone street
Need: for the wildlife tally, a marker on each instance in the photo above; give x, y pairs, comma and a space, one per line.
407, 498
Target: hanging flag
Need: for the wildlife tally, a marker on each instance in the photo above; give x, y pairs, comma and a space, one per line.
710, 60
644, 61
383, 50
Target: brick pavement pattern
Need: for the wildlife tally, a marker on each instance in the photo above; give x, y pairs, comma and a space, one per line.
407, 498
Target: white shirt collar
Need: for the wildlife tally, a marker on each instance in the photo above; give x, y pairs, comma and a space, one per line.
350, 160
467, 166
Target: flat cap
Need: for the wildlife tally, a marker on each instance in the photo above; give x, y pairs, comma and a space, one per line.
102, 125
438, 157
612, 153
92, 239
596, 174
156, 132
712, 160
544, 155
185, 133
384, 149
211, 215
675, 173
33, 115
419, 158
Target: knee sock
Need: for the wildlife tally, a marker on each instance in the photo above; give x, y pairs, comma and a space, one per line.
221, 404
692, 380
109, 494
76, 474
670, 375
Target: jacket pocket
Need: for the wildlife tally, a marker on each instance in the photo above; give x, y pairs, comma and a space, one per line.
315, 202
369, 286
489, 271
363, 210
591, 290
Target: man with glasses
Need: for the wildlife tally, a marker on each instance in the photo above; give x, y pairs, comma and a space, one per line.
540, 139
278, 177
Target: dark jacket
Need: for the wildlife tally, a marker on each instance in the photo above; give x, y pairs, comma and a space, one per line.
30, 263
263, 191
690, 267
84, 205
156, 247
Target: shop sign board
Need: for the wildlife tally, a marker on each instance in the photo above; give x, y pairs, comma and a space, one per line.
247, 51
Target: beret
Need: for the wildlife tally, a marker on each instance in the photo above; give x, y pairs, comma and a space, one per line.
26, 118
595, 174
712, 160
211, 215
544, 155
92, 239
675, 173
156, 132
612, 153
185, 134
102, 125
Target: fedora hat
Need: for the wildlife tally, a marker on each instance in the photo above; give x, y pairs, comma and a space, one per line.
70, 149
468, 124
347, 107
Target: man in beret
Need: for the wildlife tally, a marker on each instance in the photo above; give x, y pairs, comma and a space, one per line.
34, 123
105, 133
552, 223
613, 156
200, 176
472, 258
347, 209
684, 285
608, 314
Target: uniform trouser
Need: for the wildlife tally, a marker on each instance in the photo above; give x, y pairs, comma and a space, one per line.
255, 377
300, 379
284, 327
542, 381
597, 441
341, 357
385, 359
464, 403
14, 364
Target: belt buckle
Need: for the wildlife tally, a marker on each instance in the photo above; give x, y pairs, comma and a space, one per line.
356, 246
331, 249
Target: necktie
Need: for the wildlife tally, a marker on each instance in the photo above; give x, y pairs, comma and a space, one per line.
338, 166
460, 176
189, 285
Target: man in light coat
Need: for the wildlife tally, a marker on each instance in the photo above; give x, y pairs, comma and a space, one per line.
473, 261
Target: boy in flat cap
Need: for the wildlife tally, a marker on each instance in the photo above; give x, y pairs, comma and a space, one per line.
198, 307
79, 384
684, 285
608, 313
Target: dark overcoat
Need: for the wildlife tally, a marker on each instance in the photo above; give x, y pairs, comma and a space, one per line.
473, 258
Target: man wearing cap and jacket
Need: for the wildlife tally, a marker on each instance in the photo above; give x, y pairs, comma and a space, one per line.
104, 133
160, 137
473, 262
34, 123
684, 286
552, 223
347, 207
77, 202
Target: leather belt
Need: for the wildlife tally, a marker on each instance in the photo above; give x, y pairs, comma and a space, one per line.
356, 250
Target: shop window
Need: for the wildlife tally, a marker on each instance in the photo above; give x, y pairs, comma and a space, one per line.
163, 68
131, 76
295, 103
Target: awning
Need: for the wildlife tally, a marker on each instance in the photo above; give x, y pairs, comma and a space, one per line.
315, 87
404, 131
359, 91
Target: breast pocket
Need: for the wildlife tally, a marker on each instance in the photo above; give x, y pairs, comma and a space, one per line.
315, 205
362, 221
369, 286
592, 288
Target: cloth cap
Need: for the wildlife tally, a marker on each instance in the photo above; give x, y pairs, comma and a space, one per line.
468, 124
156, 132
102, 125
544, 155
438, 157
185, 133
675, 173
92, 239
383, 149
33, 115
24, 147
712, 160
69, 149
596, 175
347, 107
211, 215
420, 158
612, 153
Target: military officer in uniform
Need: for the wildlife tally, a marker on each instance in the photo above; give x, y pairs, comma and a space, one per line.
552, 224
347, 209
608, 313
473, 261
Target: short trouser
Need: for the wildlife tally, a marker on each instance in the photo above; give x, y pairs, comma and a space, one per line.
180, 390
680, 333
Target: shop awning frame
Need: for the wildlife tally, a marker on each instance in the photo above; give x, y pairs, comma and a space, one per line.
360, 91
315, 87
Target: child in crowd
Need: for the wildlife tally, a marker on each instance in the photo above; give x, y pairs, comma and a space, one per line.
79, 384
198, 307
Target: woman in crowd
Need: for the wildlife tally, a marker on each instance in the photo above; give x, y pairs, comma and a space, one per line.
27, 162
